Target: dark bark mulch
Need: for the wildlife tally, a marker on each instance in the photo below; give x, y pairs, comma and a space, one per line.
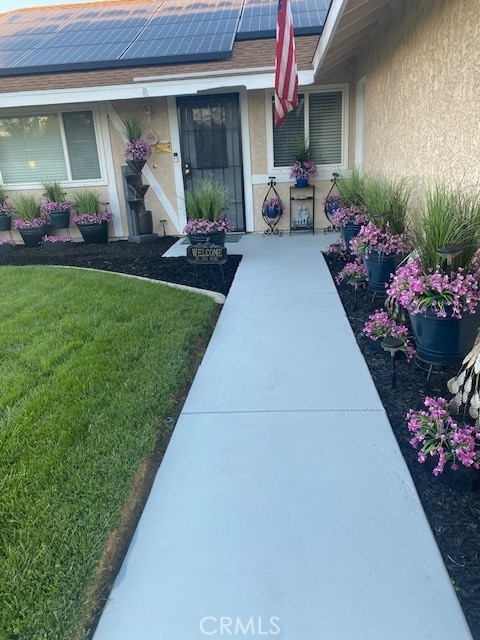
452, 500
129, 257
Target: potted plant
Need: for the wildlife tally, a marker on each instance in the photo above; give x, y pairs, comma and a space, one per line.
206, 206
349, 219
272, 207
6, 210
303, 168
29, 221
439, 285
91, 218
351, 188
56, 207
137, 150
57, 243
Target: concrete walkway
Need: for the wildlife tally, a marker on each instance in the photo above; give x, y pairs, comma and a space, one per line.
283, 506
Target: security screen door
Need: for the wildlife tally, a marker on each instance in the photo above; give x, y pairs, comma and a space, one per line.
211, 146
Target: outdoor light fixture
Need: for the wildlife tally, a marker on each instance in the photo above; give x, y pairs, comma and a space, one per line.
356, 282
392, 345
449, 251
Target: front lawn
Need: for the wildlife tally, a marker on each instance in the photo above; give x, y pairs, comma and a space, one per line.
89, 367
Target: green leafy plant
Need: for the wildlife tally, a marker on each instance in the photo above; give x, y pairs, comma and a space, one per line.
303, 152
208, 201
87, 201
386, 202
53, 191
132, 128
351, 188
3, 194
26, 207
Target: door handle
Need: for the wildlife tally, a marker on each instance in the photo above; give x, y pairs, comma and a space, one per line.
187, 169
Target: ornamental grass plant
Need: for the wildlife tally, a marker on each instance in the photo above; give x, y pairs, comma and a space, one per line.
351, 188
28, 212
89, 208
206, 207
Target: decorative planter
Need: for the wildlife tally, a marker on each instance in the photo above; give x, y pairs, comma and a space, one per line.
60, 219
145, 222
32, 236
96, 233
215, 237
272, 212
443, 340
301, 182
348, 232
5, 222
136, 165
379, 268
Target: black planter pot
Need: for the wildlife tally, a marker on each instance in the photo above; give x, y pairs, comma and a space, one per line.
6, 247
5, 222
145, 222
136, 165
379, 269
443, 340
348, 232
32, 236
96, 233
215, 237
60, 219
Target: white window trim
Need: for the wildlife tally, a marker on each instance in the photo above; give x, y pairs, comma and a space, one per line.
59, 110
324, 170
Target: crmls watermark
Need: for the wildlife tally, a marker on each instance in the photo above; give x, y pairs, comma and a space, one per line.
246, 627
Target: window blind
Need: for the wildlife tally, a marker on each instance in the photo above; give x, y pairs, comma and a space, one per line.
325, 127
285, 137
31, 149
82, 145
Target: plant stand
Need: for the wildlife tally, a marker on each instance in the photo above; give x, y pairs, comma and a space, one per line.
271, 222
326, 208
140, 225
305, 218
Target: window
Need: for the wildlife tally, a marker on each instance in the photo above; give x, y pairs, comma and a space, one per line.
319, 118
48, 147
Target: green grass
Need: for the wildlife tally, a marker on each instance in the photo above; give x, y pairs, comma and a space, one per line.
89, 365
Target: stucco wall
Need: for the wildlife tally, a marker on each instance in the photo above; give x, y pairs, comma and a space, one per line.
422, 106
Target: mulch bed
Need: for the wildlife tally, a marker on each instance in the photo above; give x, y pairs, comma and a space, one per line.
452, 500
129, 257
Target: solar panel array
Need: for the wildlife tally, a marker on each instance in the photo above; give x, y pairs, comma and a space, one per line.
116, 34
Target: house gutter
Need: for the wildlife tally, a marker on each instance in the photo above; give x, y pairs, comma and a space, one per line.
146, 89
331, 24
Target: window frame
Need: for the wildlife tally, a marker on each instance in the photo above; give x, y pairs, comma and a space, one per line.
59, 110
324, 170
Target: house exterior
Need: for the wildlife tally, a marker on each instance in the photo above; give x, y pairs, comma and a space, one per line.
391, 85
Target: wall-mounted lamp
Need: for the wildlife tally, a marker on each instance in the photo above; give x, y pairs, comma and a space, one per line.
150, 137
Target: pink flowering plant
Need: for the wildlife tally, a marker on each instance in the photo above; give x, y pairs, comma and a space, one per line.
53, 207
89, 208
380, 325
373, 238
28, 213
272, 207
138, 150
6, 208
303, 169
446, 294
5, 240
205, 227
348, 215
337, 249
354, 270
93, 218
436, 434
57, 239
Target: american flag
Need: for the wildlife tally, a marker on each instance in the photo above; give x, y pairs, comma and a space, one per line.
286, 76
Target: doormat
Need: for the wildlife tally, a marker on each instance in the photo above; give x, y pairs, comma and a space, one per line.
230, 237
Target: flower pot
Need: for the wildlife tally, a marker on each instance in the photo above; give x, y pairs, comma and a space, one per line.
32, 236
379, 268
5, 222
96, 233
348, 232
136, 165
145, 222
60, 219
443, 340
214, 237
301, 181
272, 212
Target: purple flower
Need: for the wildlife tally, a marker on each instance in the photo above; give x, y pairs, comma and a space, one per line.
380, 325
55, 239
371, 237
205, 227
138, 150
303, 169
89, 218
52, 207
19, 223
348, 215
352, 270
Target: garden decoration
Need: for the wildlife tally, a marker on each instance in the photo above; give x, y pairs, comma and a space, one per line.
356, 275
303, 168
91, 219
137, 150
6, 210
57, 243
439, 286
392, 345
139, 219
206, 207
56, 207
272, 209
333, 201
381, 325
30, 222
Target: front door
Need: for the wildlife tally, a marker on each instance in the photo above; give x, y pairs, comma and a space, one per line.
211, 147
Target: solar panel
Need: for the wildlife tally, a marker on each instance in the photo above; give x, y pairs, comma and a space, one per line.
111, 34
